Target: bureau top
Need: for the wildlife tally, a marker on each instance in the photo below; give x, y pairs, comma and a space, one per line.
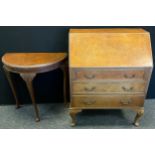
112, 30
110, 48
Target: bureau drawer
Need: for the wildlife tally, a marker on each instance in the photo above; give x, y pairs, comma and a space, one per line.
107, 87
100, 74
107, 101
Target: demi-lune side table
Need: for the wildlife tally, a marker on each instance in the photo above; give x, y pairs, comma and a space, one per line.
28, 65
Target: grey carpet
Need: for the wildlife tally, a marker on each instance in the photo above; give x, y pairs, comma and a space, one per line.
55, 116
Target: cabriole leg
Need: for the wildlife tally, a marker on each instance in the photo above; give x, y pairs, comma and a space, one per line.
64, 70
9, 78
73, 113
140, 113
28, 78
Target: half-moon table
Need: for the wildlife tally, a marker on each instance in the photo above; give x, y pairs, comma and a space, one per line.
28, 65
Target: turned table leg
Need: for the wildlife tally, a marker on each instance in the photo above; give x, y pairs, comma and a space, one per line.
73, 113
140, 113
28, 78
9, 78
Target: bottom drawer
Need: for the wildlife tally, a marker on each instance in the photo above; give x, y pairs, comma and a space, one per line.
107, 101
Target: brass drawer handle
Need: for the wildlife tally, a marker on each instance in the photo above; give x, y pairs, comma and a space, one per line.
89, 102
89, 89
127, 89
126, 101
89, 76
129, 76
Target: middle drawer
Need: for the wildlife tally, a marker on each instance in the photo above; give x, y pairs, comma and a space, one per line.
107, 87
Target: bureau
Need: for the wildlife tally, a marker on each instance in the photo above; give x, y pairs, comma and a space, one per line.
109, 69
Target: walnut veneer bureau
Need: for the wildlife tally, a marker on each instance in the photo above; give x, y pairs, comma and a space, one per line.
109, 69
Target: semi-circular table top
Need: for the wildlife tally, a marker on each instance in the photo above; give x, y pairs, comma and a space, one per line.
32, 61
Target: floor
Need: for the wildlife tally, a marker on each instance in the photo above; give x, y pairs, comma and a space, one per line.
55, 116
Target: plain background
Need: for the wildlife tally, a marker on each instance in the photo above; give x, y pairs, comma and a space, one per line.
49, 86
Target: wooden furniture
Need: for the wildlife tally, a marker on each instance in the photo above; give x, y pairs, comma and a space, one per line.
28, 65
109, 69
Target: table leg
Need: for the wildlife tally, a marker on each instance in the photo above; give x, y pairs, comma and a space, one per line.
28, 78
64, 70
9, 78
73, 113
140, 113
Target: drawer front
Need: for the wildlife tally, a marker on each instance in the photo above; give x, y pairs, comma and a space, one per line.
100, 74
107, 101
107, 87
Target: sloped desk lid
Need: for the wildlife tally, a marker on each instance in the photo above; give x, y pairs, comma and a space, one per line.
110, 48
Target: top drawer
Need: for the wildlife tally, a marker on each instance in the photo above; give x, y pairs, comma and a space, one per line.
100, 74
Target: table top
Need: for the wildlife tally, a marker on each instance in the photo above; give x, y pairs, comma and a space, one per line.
32, 60
110, 48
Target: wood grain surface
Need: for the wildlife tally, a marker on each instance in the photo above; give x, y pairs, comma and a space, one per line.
110, 48
104, 101
30, 60
108, 74
108, 87
109, 69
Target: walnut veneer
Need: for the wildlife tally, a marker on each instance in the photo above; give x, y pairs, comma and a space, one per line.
28, 65
109, 69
